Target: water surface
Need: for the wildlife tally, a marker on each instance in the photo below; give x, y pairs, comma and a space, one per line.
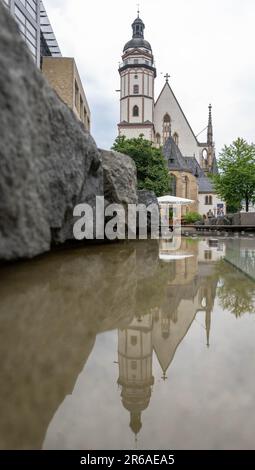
127, 346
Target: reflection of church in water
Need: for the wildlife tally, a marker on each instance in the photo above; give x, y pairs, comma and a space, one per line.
191, 289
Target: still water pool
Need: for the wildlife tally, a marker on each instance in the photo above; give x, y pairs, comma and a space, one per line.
128, 346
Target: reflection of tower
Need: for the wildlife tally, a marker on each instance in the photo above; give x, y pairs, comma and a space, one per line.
135, 369
208, 326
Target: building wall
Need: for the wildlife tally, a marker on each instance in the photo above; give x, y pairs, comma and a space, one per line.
63, 76
27, 15
204, 208
167, 103
192, 190
135, 132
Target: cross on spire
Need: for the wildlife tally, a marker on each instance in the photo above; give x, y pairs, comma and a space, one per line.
167, 76
138, 9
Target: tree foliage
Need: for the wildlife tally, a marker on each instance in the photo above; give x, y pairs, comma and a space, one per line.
235, 182
152, 171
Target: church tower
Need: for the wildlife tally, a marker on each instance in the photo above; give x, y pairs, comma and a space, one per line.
135, 368
137, 74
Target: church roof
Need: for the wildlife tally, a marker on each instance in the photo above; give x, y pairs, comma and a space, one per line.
194, 166
137, 42
205, 185
174, 157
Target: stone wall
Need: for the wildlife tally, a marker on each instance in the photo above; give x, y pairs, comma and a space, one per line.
244, 218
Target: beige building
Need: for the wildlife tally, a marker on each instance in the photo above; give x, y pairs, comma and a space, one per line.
62, 74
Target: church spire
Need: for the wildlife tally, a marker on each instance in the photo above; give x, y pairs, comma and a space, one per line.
138, 27
210, 128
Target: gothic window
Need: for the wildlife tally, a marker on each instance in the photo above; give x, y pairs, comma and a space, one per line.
186, 186
176, 138
166, 127
205, 156
173, 185
158, 138
135, 111
136, 89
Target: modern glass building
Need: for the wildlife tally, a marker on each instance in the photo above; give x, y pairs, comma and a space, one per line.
35, 27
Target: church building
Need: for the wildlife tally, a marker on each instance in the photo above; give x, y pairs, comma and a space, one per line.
164, 123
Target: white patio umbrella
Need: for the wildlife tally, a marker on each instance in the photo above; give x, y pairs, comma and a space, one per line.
174, 200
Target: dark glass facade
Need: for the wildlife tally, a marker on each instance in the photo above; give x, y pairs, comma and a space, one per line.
35, 27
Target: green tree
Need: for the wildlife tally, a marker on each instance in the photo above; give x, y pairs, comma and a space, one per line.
235, 182
152, 171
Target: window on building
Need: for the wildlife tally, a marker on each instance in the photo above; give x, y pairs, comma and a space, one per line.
136, 61
136, 77
76, 96
147, 62
176, 138
158, 138
133, 340
166, 127
81, 109
208, 200
27, 30
136, 89
186, 187
208, 254
133, 365
135, 111
173, 185
205, 157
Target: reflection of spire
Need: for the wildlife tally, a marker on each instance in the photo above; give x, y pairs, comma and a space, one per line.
208, 326
164, 377
135, 422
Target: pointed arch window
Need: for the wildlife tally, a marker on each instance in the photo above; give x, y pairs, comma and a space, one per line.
158, 138
186, 187
176, 138
135, 111
173, 184
166, 127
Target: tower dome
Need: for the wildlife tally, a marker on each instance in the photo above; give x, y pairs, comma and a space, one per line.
138, 40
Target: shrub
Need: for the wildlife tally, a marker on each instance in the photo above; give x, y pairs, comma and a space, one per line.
192, 217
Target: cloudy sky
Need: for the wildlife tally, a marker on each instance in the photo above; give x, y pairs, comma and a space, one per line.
206, 46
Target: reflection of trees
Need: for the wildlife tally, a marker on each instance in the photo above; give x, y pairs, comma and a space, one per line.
236, 292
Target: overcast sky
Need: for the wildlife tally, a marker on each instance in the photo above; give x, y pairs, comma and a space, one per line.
206, 46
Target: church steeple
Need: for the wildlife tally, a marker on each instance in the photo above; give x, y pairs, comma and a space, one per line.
138, 27
210, 128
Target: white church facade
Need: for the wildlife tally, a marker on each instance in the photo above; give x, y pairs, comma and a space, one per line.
164, 123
